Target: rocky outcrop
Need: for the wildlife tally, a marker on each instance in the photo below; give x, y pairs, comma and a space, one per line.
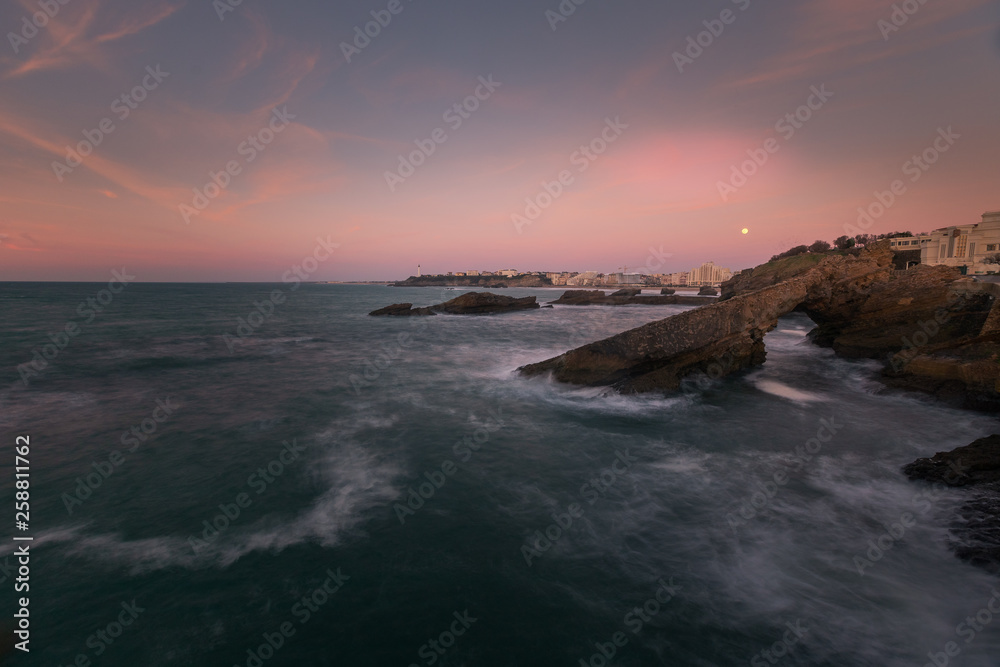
872, 321
708, 291
978, 463
657, 356
976, 528
472, 303
632, 297
937, 332
666, 291
769, 274
627, 292
955, 353
401, 309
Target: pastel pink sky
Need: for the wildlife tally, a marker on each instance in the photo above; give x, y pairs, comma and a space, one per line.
656, 186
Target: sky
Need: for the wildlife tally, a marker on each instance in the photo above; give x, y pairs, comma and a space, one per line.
586, 137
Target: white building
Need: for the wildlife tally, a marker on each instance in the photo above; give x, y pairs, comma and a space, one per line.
709, 274
908, 242
964, 246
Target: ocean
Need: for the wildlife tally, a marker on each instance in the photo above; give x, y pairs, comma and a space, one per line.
251, 475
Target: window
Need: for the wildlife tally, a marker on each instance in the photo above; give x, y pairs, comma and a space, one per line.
991, 247
960, 244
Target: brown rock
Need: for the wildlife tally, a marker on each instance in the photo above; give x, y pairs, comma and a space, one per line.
471, 303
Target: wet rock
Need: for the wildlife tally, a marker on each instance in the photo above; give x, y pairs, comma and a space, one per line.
978, 463
975, 530
471, 303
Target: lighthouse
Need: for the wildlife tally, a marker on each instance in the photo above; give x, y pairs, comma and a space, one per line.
418, 270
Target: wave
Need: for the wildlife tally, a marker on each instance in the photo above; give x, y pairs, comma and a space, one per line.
356, 481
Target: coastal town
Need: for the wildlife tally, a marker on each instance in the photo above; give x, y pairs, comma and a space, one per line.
706, 275
973, 248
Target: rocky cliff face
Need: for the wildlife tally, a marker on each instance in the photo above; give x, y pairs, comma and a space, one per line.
880, 318
627, 298
937, 331
660, 354
768, 274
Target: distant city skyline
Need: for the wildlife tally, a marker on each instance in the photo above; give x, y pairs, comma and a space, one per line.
708, 273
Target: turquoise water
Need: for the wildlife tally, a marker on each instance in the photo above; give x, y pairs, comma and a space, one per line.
557, 524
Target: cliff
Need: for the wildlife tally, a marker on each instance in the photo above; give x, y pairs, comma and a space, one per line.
627, 297
657, 356
936, 331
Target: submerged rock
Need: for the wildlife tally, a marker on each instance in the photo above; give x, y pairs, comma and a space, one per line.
472, 303
400, 309
976, 527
